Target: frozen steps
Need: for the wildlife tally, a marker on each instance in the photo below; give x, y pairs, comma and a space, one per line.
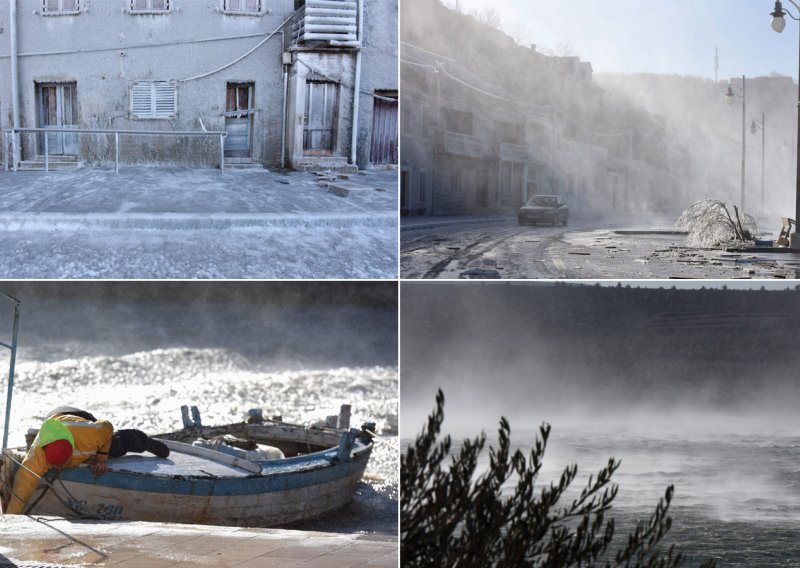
326, 164
239, 164
54, 163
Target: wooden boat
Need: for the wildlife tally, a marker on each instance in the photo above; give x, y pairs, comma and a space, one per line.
198, 485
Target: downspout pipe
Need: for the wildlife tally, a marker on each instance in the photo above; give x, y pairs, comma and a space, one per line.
357, 84
283, 120
14, 80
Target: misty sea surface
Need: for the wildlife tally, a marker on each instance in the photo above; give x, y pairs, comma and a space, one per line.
737, 496
225, 369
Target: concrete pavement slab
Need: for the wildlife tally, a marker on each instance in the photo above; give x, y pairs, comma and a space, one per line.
62, 542
146, 223
184, 190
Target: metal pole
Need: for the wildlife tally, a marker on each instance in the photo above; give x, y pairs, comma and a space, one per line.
744, 143
46, 153
116, 152
357, 85
14, 80
5, 151
553, 150
10, 387
795, 238
221, 153
283, 119
763, 156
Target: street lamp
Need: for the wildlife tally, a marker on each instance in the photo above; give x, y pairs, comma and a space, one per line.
729, 96
778, 24
753, 129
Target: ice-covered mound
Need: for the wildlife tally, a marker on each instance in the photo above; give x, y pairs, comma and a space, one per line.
710, 224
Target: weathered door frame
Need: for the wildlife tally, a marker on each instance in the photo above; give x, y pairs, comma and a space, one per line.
59, 143
383, 142
239, 115
314, 134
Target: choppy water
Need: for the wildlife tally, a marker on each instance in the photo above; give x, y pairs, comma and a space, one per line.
145, 388
737, 496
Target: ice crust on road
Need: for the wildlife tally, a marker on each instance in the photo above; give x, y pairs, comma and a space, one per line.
181, 223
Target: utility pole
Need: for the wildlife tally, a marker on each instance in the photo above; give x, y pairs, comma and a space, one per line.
763, 155
744, 140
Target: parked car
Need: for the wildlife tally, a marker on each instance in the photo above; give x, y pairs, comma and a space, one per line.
543, 209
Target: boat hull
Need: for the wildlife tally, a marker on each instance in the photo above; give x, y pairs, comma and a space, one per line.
188, 487
261, 500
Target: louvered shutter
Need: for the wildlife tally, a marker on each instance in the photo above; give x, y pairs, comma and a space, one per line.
164, 99
140, 99
153, 99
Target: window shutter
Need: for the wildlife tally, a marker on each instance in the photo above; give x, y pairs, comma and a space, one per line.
153, 99
164, 99
140, 99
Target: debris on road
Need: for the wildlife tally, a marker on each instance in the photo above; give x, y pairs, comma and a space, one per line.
479, 273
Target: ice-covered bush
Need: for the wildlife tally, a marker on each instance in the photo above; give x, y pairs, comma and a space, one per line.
710, 224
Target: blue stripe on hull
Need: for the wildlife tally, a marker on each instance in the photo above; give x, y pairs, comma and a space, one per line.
266, 482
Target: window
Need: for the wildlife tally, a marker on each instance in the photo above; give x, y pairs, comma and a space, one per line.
61, 6
138, 6
242, 6
153, 99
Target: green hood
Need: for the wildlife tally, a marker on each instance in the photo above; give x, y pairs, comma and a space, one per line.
51, 431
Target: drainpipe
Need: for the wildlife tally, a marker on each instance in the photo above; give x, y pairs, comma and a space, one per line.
357, 86
14, 81
283, 120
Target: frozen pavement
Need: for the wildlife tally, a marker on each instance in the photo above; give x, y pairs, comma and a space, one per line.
52, 541
195, 223
497, 250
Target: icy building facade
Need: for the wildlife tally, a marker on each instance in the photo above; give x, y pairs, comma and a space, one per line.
246, 83
487, 123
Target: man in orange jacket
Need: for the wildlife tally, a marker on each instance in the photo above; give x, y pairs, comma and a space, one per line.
68, 438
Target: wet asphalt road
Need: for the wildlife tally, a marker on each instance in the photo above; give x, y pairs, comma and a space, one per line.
582, 250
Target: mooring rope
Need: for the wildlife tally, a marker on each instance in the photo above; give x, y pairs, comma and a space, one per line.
49, 484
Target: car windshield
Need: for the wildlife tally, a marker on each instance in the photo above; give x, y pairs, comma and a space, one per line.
542, 201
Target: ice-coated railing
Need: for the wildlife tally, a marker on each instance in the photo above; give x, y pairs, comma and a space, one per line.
15, 142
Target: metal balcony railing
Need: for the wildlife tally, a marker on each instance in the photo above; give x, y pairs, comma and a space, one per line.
15, 151
334, 22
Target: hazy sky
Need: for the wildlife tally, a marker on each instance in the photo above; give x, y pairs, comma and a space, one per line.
666, 36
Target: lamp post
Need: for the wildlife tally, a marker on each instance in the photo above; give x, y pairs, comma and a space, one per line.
729, 97
778, 24
753, 129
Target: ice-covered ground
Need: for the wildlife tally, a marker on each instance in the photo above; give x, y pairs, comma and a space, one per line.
135, 363
195, 223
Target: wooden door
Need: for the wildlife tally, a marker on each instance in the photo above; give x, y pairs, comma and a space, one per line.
57, 109
238, 119
383, 147
319, 132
